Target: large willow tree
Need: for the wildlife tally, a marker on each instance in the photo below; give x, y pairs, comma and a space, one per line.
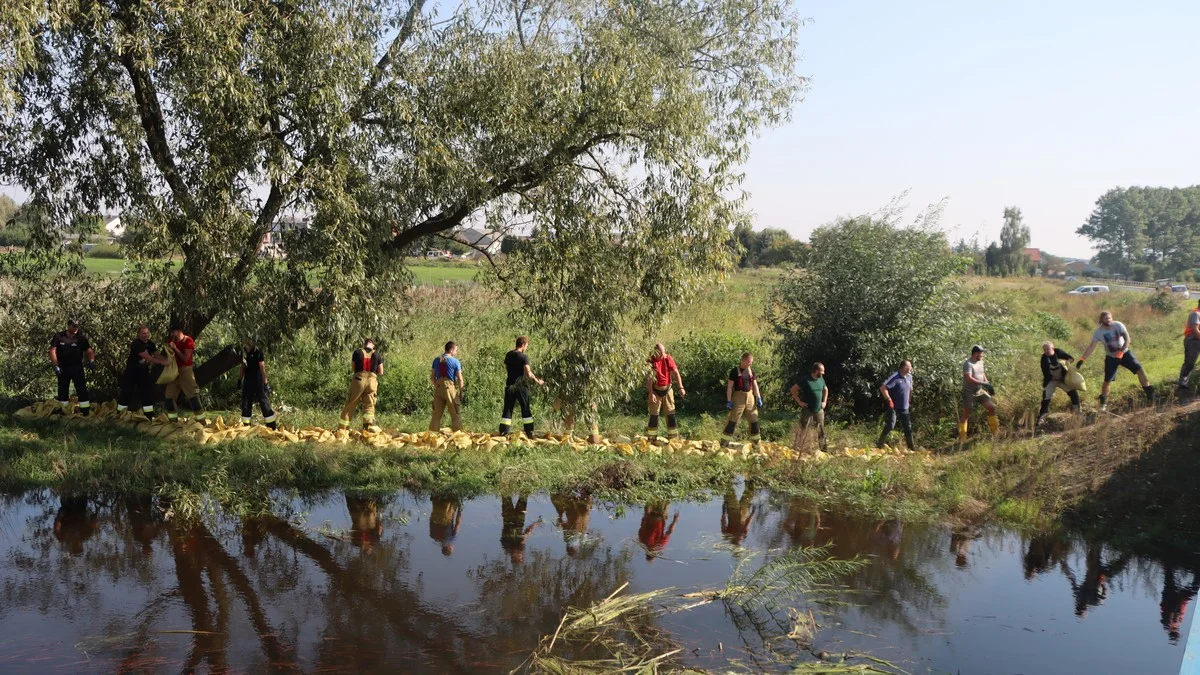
204, 122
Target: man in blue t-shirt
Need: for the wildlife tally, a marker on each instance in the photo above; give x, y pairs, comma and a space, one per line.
447, 379
897, 396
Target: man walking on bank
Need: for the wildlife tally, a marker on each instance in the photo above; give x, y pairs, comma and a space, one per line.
253, 380
1191, 346
516, 363
367, 366
897, 396
67, 351
136, 383
977, 391
1118, 353
1054, 376
447, 379
659, 394
811, 394
184, 349
742, 397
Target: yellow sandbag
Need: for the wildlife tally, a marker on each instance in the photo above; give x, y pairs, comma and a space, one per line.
1074, 381
170, 371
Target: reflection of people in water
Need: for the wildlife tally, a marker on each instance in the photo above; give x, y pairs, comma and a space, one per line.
654, 532
444, 518
574, 512
1094, 589
1045, 551
802, 523
366, 526
887, 536
736, 515
143, 521
514, 533
960, 546
73, 524
1175, 599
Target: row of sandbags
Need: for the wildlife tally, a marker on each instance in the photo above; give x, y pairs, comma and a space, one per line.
218, 431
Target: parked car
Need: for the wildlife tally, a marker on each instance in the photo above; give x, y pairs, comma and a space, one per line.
1180, 289
1088, 290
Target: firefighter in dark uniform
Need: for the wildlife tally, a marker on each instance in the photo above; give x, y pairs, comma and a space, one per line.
136, 384
253, 381
67, 352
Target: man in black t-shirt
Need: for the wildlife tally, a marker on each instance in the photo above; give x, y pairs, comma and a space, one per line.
136, 383
253, 380
67, 352
367, 366
516, 363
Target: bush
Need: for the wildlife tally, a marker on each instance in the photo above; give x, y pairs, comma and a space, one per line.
1053, 326
1165, 302
105, 251
704, 361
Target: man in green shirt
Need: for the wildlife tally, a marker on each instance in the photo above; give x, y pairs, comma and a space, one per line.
811, 394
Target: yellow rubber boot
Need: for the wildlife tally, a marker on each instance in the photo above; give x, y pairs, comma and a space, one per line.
962, 431
993, 424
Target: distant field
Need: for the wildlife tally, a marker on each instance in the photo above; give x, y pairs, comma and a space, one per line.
104, 265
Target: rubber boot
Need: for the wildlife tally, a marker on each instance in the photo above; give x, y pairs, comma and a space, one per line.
962, 432
1147, 390
672, 427
652, 427
755, 435
198, 414
273, 426
993, 424
172, 412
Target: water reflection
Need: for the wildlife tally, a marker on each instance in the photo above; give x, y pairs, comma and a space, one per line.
94, 584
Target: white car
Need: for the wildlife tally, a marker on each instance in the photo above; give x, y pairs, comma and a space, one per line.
1088, 290
1180, 289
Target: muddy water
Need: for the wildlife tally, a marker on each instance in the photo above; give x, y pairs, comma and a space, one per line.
410, 584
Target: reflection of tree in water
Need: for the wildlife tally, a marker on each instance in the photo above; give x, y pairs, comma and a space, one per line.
893, 588
524, 603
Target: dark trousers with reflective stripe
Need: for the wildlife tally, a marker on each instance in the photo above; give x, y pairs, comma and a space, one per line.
136, 386
69, 375
255, 392
513, 396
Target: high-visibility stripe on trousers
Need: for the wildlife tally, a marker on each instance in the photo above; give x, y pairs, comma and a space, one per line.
512, 397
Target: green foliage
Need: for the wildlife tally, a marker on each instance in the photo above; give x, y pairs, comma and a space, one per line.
1153, 226
1014, 237
109, 251
705, 360
874, 293
1165, 302
203, 121
769, 248
1054, 326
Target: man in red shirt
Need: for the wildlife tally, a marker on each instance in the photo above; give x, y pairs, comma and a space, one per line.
184, 349
659, 395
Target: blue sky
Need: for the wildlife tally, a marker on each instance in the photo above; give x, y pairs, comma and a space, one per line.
1040, 105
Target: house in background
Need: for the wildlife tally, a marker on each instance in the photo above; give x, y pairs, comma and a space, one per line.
1083, 268
114, 229
1034, 255
483, 241
272, 243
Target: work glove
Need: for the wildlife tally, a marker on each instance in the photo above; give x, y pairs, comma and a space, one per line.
728, 404
1079, 364
57, 370
758, 402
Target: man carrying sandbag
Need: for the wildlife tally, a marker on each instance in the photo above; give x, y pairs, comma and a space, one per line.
976, 391
136, 383
67, 351
183, 348
1055, 369
447, 379
367, 366
252, 380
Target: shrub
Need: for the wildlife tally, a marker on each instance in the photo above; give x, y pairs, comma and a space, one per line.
105, 251
1165, 302
705, 359
1053, 326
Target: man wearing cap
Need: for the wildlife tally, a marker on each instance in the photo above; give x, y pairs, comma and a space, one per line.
447, 379
1117, 354
184, 349
136, 383
252, 379
1054, 375
67, 351
1191, 346
367, 366
977, 391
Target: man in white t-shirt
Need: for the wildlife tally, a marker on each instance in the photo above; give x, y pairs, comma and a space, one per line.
1117, 353
977, 391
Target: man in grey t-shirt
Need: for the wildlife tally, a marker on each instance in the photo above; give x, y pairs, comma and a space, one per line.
977, 391
1117, 354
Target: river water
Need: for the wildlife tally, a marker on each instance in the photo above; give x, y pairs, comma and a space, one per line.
406, 583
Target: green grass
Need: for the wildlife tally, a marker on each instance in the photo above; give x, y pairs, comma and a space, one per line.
104, 265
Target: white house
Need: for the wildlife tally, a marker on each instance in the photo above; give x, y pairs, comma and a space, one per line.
113, 226
272, 243
481, 240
